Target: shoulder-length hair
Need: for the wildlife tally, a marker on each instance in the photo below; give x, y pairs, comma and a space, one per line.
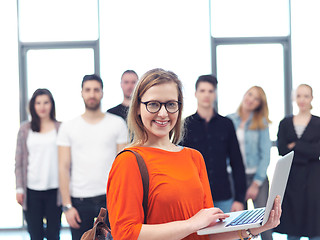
35, 120
260, 118
154, 77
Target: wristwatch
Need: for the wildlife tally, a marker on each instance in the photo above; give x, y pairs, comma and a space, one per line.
251, 236
66, 207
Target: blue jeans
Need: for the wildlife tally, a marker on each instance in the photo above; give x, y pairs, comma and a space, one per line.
88, 209
290, 237
224, 205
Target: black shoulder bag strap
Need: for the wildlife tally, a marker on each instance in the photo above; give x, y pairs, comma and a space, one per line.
145, 180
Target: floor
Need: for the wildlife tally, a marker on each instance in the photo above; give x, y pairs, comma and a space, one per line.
23, 235
65, 235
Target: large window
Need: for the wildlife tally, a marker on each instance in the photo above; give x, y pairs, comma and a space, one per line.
60, 41
144, 34
11, 214
306, 48
251, 48
240, 67
61, 71
250, 18
58, 20
58, 50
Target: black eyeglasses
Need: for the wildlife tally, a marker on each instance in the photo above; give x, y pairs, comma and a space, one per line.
155, 106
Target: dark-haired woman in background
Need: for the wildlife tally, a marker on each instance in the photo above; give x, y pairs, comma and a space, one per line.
36, 168
301, 202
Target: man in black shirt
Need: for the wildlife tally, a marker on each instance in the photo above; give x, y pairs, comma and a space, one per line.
214, 136
128, 82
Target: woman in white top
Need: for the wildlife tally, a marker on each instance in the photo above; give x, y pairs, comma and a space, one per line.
36, 168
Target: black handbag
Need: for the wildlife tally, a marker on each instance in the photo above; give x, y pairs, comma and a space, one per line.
100, 230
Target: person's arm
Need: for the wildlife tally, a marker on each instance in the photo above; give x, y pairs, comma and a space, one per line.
122, 137
236, 206
126, 217
19, 166
238, 171
206, 217
72, 215
264, 147
273, 221
310, 148
180, 229
282, 142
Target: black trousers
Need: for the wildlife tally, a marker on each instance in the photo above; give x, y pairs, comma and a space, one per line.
88, 209
40, 205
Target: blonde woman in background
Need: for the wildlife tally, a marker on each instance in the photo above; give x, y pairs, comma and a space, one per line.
301, 203
251, 123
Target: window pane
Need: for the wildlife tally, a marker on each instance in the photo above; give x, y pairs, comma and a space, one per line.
154, 34
241, 66
58, 20
10, 210
61, 71
306, 48
249, 18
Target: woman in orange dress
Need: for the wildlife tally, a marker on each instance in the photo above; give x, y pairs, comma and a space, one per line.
179, 200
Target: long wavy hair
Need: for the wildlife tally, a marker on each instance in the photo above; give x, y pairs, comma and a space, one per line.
154, 77
260, 119
35, 120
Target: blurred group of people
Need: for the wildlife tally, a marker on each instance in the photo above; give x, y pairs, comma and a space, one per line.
65, 167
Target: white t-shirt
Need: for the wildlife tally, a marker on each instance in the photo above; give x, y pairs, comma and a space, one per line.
241, 139
42, 160
93, 149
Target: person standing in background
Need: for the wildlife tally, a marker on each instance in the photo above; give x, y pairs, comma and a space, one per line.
129, 80
87, 146
179, 200
215, 138
36, 168
301, 133
251, 122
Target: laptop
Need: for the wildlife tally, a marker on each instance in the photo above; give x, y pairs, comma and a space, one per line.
256, 217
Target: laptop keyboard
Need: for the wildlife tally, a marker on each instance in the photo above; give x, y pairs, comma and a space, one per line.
248, 217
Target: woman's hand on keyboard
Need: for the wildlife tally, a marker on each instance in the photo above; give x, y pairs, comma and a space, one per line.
207, 217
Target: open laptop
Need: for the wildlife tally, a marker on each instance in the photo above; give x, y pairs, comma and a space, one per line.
257, 217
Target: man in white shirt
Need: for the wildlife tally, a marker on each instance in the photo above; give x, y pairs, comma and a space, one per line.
87, 146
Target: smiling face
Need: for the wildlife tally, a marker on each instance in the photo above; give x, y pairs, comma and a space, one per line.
42, 106
304, 98
251, 100
158, 125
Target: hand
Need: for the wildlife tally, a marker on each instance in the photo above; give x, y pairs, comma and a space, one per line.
20, 197
291, 145
237, 206
73, 218
252, 191
207, 217
274, 218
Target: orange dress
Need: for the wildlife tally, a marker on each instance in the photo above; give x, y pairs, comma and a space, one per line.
178, 189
